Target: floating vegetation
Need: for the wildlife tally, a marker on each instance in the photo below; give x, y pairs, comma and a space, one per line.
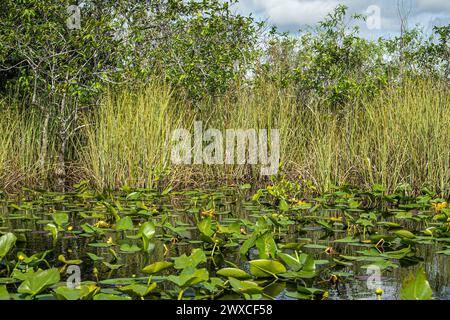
229, 243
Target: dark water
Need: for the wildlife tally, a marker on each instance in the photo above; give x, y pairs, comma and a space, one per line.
182, 210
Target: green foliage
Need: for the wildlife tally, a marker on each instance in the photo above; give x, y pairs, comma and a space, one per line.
416, 287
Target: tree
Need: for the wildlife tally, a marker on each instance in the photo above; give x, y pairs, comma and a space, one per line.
198, 45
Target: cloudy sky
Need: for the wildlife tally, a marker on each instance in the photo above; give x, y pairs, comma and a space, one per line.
291, 15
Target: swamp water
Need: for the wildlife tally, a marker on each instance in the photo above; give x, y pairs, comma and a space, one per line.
329, 245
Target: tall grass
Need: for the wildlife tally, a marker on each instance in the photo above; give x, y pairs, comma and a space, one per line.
128, 138
21, 148
402, 136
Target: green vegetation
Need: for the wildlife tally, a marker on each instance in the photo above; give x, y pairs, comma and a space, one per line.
86, 177
98, 107
229, 243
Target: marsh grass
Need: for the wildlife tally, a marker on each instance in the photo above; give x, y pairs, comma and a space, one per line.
21, 148
402, 136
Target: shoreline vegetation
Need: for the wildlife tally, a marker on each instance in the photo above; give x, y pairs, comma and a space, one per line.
349, 111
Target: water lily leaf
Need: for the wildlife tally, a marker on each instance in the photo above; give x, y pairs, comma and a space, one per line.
283, 206
63, 260
147, 231
4, 295
266, 268
266, 246
94, 257
248, 244
38, 281
186, 280
130, 248
61, 218
246, 287
205, 227
233, 272
100, 245
157, 267
290, 261
303, 274
7, 241
299, 295
53, 230
404, 234
106, 296
113, 266
197, 256
398, 254
416, 287
84, 292
138, 290
124, 223
446, 252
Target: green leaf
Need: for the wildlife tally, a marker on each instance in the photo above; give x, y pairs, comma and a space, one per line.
266, 268
233, 272
113, 266
63, 260
157, 267
125, 224
146, 232
205, 227
266, 246
248, 244
404, 234
4, 295
106, 296
7, 241
130, 248
247, 287
61, 218
38, 281
292, 262
197, 256
283, 206
186, 280
138, 290
416, 287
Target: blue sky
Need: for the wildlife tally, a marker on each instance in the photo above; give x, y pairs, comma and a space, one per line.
291, 15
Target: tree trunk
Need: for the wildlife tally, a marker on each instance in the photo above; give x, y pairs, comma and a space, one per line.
44, 145
61, 165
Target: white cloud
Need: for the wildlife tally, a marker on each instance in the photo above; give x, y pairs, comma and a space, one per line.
433, 5
291, 15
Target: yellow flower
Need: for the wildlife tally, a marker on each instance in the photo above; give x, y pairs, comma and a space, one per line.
70, 228
110, 240
379, 292
269, 188
21, 257
297, 202
329, 250
209, 213
439, 206
101, 224
334, 279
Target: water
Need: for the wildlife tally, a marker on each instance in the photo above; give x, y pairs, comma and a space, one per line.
28, 215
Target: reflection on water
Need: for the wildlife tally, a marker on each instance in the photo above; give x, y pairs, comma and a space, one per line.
28, 225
